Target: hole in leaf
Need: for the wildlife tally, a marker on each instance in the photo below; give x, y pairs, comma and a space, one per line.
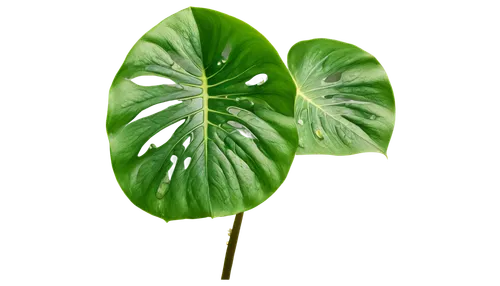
173, 159
242, 129
150, 145
188, 140
155, 109
328, 96
259, 79
155, 142
157, 139
187, 162
154, 80
163, 136
333, 77
176, 126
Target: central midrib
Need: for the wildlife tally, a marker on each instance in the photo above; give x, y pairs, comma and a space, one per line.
205, 96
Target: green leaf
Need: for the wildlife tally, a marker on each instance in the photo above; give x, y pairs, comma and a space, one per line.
236, 108
344, 103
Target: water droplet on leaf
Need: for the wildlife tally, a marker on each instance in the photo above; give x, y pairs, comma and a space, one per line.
319, 134
235, 124
245, 103
302, 113
152, 145
233, 111
175, 66
162, 190
226, 52
165, 183
333, 77
250, 102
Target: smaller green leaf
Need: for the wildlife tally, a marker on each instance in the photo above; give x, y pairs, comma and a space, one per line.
344, 103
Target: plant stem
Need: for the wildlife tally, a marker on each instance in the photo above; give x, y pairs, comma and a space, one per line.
231, 247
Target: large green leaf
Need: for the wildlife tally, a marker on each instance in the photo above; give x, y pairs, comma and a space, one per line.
344, 103
241, 133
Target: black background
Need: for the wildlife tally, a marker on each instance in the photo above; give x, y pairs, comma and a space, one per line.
342, 221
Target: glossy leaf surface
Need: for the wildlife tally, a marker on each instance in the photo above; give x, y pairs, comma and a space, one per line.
237, 139
344, 103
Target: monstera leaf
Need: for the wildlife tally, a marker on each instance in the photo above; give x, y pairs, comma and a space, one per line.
344, 103
237, 136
